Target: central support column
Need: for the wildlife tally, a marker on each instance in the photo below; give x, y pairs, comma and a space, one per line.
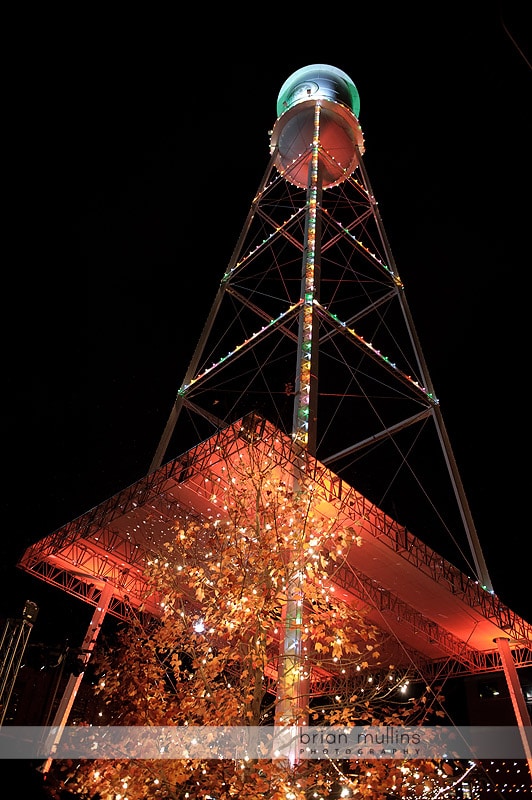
304, 426
293, 674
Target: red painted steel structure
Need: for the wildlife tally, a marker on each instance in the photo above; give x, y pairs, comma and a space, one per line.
443, 617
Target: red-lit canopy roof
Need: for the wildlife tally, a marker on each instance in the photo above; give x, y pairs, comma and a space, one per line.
428, 609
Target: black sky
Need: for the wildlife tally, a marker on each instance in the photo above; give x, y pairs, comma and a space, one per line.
134, 154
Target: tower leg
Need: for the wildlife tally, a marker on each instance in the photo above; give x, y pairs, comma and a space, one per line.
516, 694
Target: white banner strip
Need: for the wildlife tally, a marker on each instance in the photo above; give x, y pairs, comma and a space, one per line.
335, 742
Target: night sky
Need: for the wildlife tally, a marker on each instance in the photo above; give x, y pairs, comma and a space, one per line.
131, 168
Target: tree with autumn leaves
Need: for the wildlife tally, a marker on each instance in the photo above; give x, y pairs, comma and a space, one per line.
217, 656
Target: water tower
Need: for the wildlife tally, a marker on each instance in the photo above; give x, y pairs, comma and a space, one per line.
309, 351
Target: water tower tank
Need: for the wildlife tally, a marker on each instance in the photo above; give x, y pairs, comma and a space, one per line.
340, 132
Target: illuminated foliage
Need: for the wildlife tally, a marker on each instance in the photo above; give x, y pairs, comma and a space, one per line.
215, 655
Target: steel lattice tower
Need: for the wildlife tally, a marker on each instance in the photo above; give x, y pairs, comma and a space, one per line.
310, 326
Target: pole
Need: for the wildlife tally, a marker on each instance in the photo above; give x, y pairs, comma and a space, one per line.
293, 679
516, 695
74, 681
